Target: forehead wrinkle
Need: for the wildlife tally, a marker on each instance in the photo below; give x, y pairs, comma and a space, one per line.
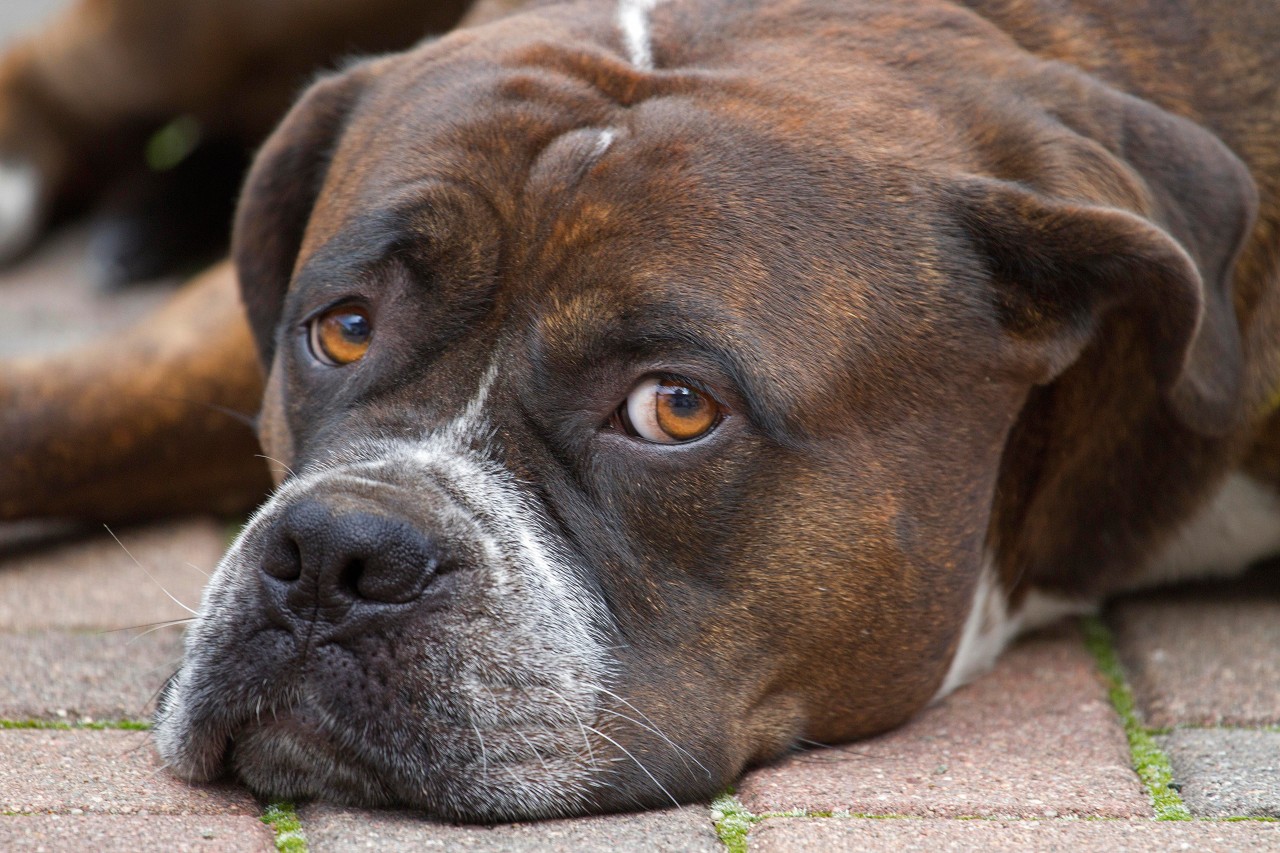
562, 165
560, 216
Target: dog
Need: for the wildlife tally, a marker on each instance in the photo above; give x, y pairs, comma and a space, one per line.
655, 386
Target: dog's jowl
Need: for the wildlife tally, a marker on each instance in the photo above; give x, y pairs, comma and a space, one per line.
663, 385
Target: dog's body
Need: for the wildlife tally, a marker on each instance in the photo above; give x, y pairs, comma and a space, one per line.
662, 384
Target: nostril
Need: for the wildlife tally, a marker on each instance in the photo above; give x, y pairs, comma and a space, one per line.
283, 560
399, 577
350, 578
295, 543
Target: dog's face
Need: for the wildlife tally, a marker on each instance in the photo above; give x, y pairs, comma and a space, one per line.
639, 424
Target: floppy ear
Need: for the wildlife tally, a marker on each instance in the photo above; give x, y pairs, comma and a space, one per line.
1059, 265
278, 197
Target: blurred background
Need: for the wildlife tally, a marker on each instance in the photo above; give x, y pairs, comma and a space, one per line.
17, 16
50, 299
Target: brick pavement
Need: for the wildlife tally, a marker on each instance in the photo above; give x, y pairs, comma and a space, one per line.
1043, 753
1039, 754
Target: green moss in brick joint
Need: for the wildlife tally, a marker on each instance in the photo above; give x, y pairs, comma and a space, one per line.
283, 818
733, 820
58, 725
1149, 761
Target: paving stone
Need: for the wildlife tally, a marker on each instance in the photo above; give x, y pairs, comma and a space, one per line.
675, 830
131, 834
1204, 654
1035, 737
107, 772
1068, 836
1226, 772
70, 677
94, 583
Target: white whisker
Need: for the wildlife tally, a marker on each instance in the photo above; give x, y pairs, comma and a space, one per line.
534, 750
644, 769
197, 568
591, 756
484, 753
278, 462
652, 726
171, 623
684, 754
148, 574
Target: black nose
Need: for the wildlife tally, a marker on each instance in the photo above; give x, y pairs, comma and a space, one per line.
339, 558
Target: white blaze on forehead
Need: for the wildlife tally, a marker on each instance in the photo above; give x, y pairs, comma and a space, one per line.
633, 20
456, 454
468, 425
605, 139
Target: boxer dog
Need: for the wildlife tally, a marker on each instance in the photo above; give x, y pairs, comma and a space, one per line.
657, 385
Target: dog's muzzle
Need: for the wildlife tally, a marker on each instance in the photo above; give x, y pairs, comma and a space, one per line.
397, 629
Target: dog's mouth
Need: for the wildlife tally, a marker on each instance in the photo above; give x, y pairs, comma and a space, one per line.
291, 750
295, 756
462, 753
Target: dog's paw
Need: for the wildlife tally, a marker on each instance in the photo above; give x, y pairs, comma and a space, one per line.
20, 208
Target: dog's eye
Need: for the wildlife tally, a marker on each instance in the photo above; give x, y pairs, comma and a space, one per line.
664, 410
341, 335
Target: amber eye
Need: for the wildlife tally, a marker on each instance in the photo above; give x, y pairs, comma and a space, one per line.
666, 411
341, 335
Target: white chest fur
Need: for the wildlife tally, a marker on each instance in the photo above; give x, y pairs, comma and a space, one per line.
1238, 527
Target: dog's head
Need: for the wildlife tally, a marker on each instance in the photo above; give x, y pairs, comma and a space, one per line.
642, 423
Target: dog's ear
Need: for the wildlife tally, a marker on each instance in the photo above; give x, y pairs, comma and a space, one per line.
1152, 229
278, 196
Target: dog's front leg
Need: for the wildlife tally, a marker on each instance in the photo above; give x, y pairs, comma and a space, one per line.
152, 421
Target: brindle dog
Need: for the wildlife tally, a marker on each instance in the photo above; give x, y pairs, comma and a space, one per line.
662, 383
